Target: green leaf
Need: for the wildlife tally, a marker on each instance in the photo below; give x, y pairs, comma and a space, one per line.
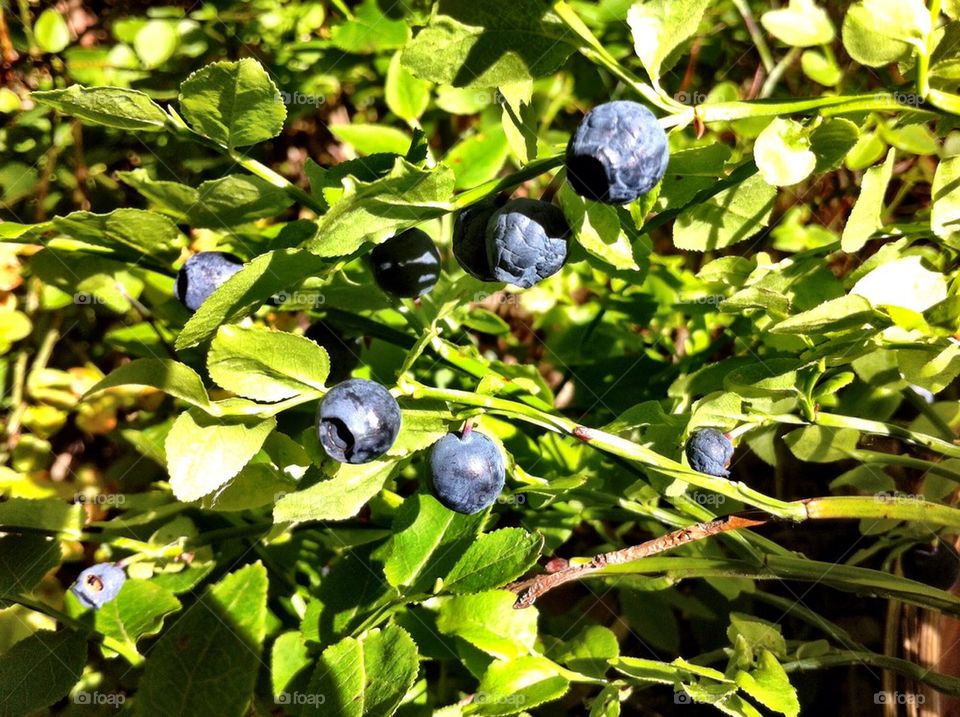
40, 670
769, 685
370, 30
129, 232
820, 68
156, 42
903, 282
835, 315
519, 685
493, 560
831, 142
758, 633
659, 27
775, 377
479, 157
589, 651
945, 215
597, 227
372, 138
865, 40
375, 211
51, 31
233, 103
259, 279
24, 560
137, 611
865, 218
207, 663
366, 677
337, 498
801, 24
47, 514
733, 215
427, 540
217, 203
108, 106
934, 367
288, 658
489, 622
783, 154
475, 44
266, 365
203, 453
407, 96
171, 377
820, 444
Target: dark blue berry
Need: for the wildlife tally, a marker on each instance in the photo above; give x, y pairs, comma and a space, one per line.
709, 451
938, 567
98, 584
468, 471
470, 239
617, 154
357, 421
526, 242
344, 352
203, 274
407, 264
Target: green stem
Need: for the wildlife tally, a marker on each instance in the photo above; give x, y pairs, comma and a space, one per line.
923, 56
495, 186
889, 459
766, 57
770, 84
24, 7
946, 684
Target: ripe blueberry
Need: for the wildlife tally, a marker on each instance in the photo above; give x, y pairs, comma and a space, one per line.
938, 567
98, 584
468, 471
709, 451
203, 274
470, 239
357, 421
618, 153
344, 352
526, 242
407, 264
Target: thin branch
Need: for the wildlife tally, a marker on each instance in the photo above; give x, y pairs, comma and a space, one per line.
528, 591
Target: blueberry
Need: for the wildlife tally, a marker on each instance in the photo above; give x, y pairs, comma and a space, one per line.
468, 472
709, 451
98, 584
344, 352
618, 153
470, 239
203, 274
358, 420
407, 264
526, 242
938, 567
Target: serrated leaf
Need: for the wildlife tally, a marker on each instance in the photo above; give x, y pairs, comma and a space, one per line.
769, 685
137, 611
821, 444
471, 44
203, 452
733, 215
47, 514
288, 658
336, 498
40, 670
259, 279
660, 26
207, 663
493, 560
903, 282
108, 106
233, 103
407, 96
365, 677
866, 44
171, 377
597, 228
835, 315
24, 559
267, 365
129, 232
519, 685
489, 622
375, 211
372, 138
865, 218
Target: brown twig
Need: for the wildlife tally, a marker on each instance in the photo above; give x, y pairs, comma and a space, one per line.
528, 591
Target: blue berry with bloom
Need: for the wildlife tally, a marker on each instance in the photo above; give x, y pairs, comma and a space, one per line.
98, 584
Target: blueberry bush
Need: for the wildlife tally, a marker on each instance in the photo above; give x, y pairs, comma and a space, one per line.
479, 357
